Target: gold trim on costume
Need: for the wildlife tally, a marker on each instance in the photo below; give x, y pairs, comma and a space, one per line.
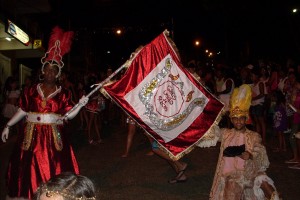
35, 119
57, 138
29, 133
28, 136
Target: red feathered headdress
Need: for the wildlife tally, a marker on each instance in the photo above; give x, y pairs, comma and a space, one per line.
59, 44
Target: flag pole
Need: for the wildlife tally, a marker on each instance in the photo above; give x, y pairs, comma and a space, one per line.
98, 86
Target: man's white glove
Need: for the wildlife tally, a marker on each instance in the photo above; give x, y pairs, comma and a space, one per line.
20, 114
82, 102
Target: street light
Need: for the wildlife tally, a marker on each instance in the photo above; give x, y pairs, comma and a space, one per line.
119, 31
197, 43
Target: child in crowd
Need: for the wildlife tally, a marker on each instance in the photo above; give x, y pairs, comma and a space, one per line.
280, 120
94, 108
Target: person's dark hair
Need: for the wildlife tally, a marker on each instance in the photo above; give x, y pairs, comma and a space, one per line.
69, 185
266, 71
256, 71
280, 98
295, 74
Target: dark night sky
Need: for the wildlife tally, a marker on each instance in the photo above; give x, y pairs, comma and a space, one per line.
241, 30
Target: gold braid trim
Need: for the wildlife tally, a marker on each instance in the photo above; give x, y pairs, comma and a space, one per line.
28, 136
172, 43
29, 133
57, 138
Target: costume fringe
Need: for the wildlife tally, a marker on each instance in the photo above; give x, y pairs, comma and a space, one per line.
211, 138
259, 192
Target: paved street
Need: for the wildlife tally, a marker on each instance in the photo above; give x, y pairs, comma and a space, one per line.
140, 176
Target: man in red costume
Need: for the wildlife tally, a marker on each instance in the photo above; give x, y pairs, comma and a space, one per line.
42, 150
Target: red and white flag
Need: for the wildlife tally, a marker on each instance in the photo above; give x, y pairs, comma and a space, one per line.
165, 99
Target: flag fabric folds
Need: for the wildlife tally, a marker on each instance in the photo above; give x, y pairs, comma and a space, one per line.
165, 99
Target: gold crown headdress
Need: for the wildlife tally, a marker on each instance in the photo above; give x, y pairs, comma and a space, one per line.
240, 101
59, 44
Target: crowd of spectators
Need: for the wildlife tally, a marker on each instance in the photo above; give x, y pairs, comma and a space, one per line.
274, 86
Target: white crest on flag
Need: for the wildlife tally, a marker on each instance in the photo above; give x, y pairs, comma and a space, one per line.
166, 100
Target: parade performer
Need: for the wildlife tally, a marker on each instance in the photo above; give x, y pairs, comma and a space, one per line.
42, 150
242, 163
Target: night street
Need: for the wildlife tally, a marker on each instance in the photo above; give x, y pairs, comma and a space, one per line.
140, 176
107, 69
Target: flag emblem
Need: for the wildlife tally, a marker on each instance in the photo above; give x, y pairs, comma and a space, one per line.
168, 105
